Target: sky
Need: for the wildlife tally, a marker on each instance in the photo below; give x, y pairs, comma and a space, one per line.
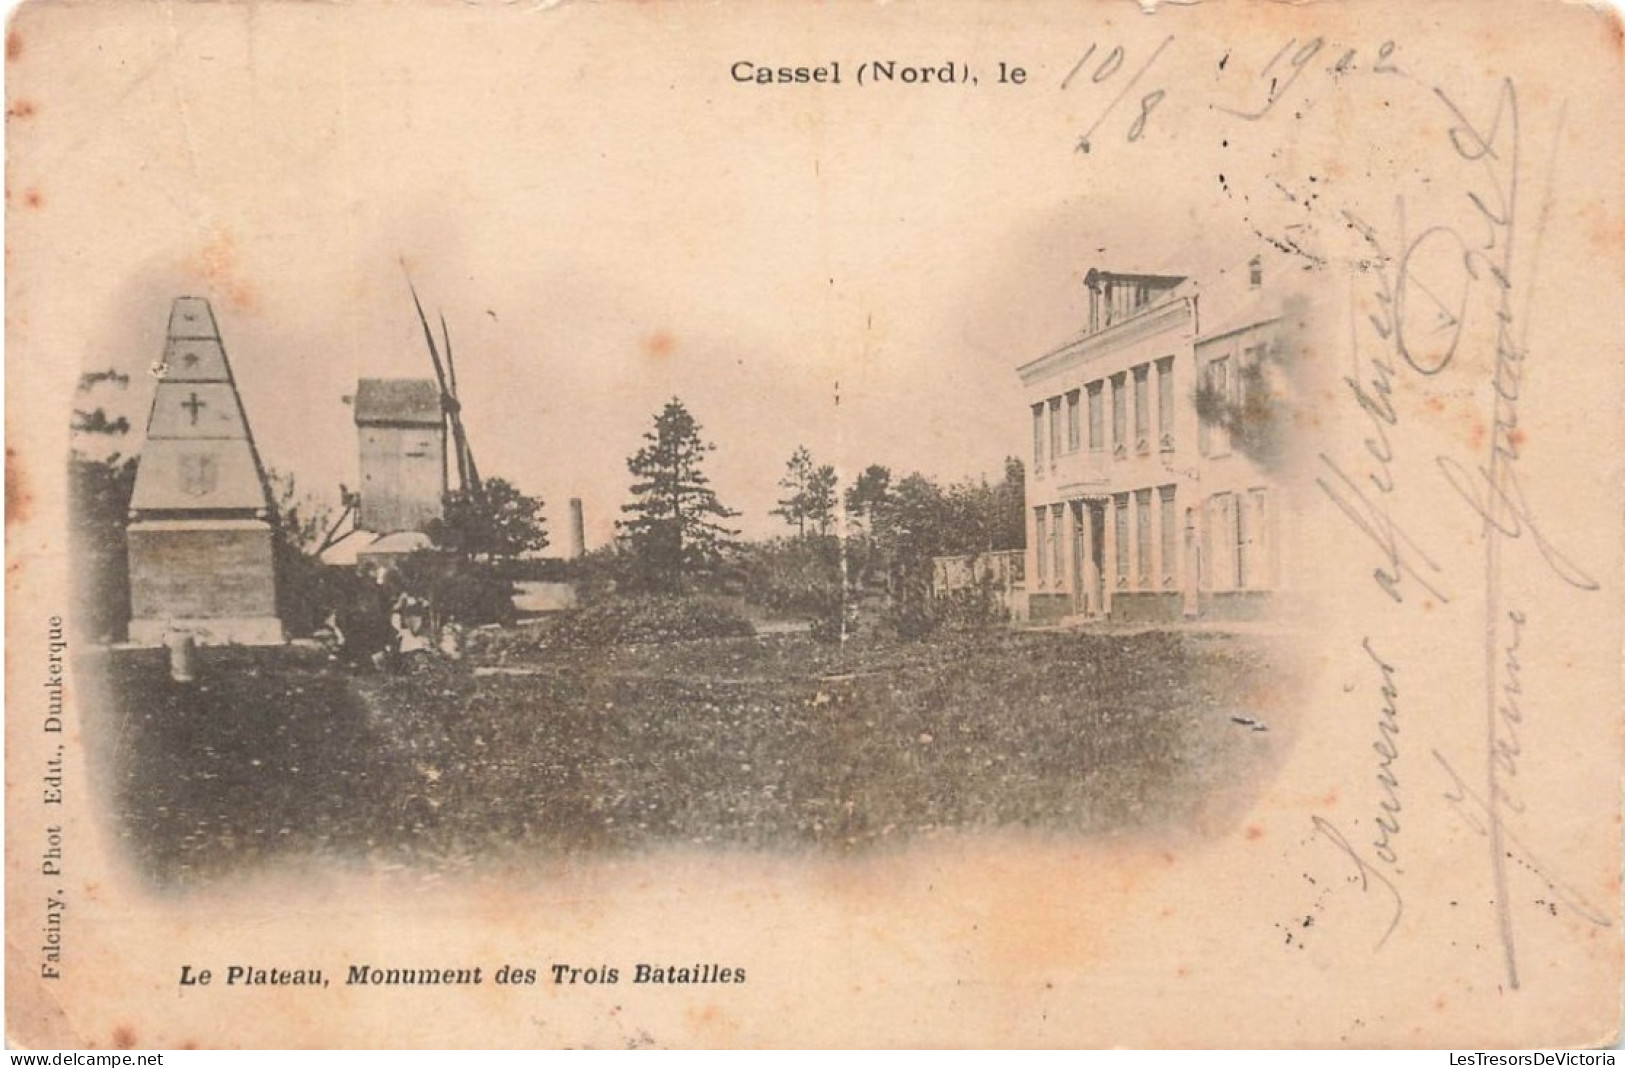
603, 228
605, 219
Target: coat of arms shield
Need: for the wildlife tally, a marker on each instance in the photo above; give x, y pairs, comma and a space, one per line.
198, 474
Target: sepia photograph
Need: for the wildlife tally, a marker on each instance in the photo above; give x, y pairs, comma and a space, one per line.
674, 525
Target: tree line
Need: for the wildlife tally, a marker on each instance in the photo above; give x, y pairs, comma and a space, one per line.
675, 533
880, 530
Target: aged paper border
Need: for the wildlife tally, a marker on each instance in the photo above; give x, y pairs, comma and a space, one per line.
1020, 939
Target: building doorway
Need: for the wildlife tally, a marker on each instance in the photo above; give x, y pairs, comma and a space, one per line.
1088, 557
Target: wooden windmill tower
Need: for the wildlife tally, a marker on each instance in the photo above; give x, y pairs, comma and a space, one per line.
411, 438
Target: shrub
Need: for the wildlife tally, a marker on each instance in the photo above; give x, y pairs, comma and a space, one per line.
909, 614
838, 621
644, 619
802, 578
473, 592
499, 643
974, 608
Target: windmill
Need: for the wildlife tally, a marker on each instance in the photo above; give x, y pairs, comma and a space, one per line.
468, 474
405, 427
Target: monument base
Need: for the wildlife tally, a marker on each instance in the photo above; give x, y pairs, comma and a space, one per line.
213, 577
246, 630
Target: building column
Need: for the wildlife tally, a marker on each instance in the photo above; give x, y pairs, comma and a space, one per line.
1085, 561
1108, 559
1057, 541
1159, 566
1033, 549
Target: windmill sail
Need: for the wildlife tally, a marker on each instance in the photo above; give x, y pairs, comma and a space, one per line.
466, 471
467, 475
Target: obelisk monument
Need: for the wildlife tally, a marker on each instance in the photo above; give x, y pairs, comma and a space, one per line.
200, 540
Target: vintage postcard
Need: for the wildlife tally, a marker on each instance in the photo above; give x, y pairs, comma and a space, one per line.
889, 524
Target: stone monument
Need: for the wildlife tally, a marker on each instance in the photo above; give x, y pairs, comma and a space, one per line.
202, 559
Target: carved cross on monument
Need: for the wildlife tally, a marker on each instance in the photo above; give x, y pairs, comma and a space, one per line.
194, 406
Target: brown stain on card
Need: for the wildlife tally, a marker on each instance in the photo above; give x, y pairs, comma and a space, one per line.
217, 264
1058, 912
22, 109
19, 499
1605, 229
659, 345
713, 1027
1613, 31
14, 46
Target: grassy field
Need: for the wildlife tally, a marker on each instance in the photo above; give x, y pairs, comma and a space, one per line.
735, 742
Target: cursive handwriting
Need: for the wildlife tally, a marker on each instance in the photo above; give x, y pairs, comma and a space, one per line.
1478, 816
1510, 710
1282, 78
1388, 804
1402, 556
1375, 394
1387, 749
1104, 71
1366, 872
1494, 492
1371, 389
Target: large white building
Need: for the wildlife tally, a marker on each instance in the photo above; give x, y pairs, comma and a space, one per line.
1139, 507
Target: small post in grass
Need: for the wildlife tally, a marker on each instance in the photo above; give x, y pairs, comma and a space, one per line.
182, 656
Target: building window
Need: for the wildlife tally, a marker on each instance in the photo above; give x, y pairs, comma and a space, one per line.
1072, 428
1170, 535
1244, 546
1041, 543
1119, 416
1054, 429
1250, 372
1165, 403
1057, 544
1224, 538
1257, 572
1142, 408
1221, 396
1038, 438
1255, 272
1097, 415
1142, 532
1120, 529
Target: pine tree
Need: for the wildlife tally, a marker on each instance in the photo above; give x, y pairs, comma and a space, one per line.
674, 529
793, 506
810, 489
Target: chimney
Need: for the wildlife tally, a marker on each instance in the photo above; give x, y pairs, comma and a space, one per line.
578, 530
